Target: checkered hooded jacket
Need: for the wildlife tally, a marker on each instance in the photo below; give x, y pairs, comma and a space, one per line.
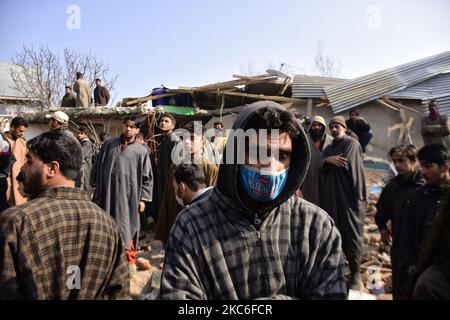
221, 249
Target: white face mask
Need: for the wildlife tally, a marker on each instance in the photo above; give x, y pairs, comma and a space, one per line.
179, 199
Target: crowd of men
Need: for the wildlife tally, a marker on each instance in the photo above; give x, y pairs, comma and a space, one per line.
285, 228
83, 98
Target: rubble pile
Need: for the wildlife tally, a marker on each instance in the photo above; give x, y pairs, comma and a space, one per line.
376, 262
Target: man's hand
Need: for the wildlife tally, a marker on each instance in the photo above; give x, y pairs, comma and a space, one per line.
141, 206
337, 161
385, 235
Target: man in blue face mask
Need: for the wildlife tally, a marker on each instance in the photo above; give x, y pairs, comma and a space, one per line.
252, 237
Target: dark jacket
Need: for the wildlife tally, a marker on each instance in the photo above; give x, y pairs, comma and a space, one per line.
101, 96
421, 216
358, 126
344, 194
6, 157
312, 186
221, 249
393, 205
69, 101
435, 254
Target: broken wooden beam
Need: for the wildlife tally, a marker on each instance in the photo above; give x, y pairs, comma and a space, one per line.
399, 105
262, 97
387, 105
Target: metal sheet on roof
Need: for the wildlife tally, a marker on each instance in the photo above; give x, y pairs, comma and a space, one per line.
383, 83
6, 82
437, 86
443, 104
304, 86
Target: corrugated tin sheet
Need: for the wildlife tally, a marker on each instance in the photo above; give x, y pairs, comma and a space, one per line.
443, 104
312, 87
383, 83
437, 86
6, 82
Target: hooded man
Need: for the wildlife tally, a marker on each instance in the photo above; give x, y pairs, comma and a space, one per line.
253, 237
318, 141
435, 128
344, 193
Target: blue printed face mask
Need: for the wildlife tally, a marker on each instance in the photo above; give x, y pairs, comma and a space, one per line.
262, 185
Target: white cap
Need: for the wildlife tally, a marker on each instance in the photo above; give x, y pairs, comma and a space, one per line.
58, 116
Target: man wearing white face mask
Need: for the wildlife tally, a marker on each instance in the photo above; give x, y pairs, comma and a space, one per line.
189, 183
252, 237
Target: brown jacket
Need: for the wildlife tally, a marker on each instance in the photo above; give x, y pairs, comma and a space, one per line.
101, 96
169, 208
83, 90
19, 149
60, 245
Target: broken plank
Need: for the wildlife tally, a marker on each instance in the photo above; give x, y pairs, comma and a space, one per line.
262, 97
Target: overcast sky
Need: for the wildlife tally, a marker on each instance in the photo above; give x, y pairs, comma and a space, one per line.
197, 42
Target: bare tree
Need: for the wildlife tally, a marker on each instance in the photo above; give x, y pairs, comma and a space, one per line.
90, 66
41, 74
251, 70
325, 65
37, 74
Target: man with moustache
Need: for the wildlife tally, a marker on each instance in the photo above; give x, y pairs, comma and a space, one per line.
124, 184
166, 124
393, 205
344, 193
15, 138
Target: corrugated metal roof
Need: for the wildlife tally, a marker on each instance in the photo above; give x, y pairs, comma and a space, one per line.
437, 86
443, 104
6, 81
304, 86
383, 83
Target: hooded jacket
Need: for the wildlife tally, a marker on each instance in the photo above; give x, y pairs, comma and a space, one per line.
221, 249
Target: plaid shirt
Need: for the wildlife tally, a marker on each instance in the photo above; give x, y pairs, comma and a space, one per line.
216, 253
45, 241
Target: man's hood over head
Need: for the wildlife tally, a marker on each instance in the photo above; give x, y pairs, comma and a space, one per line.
227, 182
